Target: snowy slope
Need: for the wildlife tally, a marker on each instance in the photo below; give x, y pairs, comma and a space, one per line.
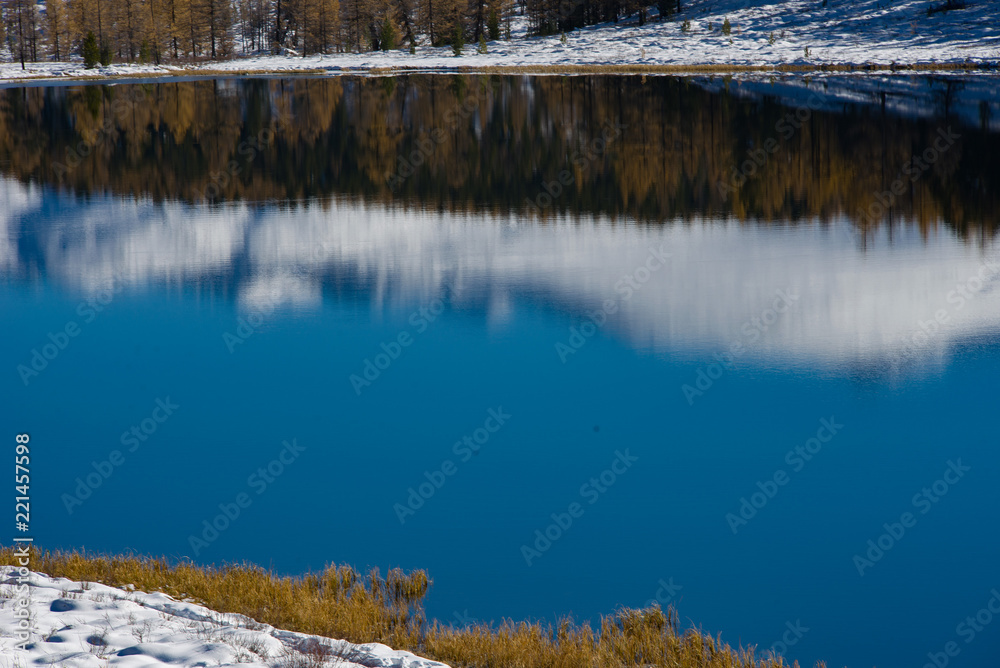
764, 33
93, 626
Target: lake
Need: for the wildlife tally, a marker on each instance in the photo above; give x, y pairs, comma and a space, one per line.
569, 343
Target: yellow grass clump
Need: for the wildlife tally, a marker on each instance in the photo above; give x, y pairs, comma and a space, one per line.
341, 602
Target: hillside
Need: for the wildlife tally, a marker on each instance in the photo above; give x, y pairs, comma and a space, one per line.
796, 34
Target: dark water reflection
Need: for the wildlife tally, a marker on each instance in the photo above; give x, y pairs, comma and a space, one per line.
652, 148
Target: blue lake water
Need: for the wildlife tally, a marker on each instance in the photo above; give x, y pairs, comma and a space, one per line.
557, 414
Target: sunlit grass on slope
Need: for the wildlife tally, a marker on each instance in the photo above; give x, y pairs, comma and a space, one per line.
340, 602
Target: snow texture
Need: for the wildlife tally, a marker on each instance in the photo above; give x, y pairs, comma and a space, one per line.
89, 625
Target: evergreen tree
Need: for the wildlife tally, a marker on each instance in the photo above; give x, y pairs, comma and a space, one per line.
387, 38
493, 23
91, 52
458, 39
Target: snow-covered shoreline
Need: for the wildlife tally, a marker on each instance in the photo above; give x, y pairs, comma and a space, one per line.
802, 34
90, 625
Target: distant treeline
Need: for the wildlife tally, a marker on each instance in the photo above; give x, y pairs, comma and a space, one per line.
648, 148
169, 30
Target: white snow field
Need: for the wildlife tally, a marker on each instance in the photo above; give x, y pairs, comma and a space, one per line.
89, 625
764, 33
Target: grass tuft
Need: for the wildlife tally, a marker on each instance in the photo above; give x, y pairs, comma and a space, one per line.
339, 602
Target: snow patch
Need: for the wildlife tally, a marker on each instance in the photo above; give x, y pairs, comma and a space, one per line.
90, 625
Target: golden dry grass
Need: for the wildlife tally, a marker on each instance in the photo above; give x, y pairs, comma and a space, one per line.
340, 602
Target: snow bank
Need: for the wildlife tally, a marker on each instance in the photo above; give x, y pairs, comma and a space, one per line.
87, 625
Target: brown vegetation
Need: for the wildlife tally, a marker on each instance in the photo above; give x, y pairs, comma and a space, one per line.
341, 603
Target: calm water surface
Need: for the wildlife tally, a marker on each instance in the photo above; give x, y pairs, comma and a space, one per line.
698, 308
